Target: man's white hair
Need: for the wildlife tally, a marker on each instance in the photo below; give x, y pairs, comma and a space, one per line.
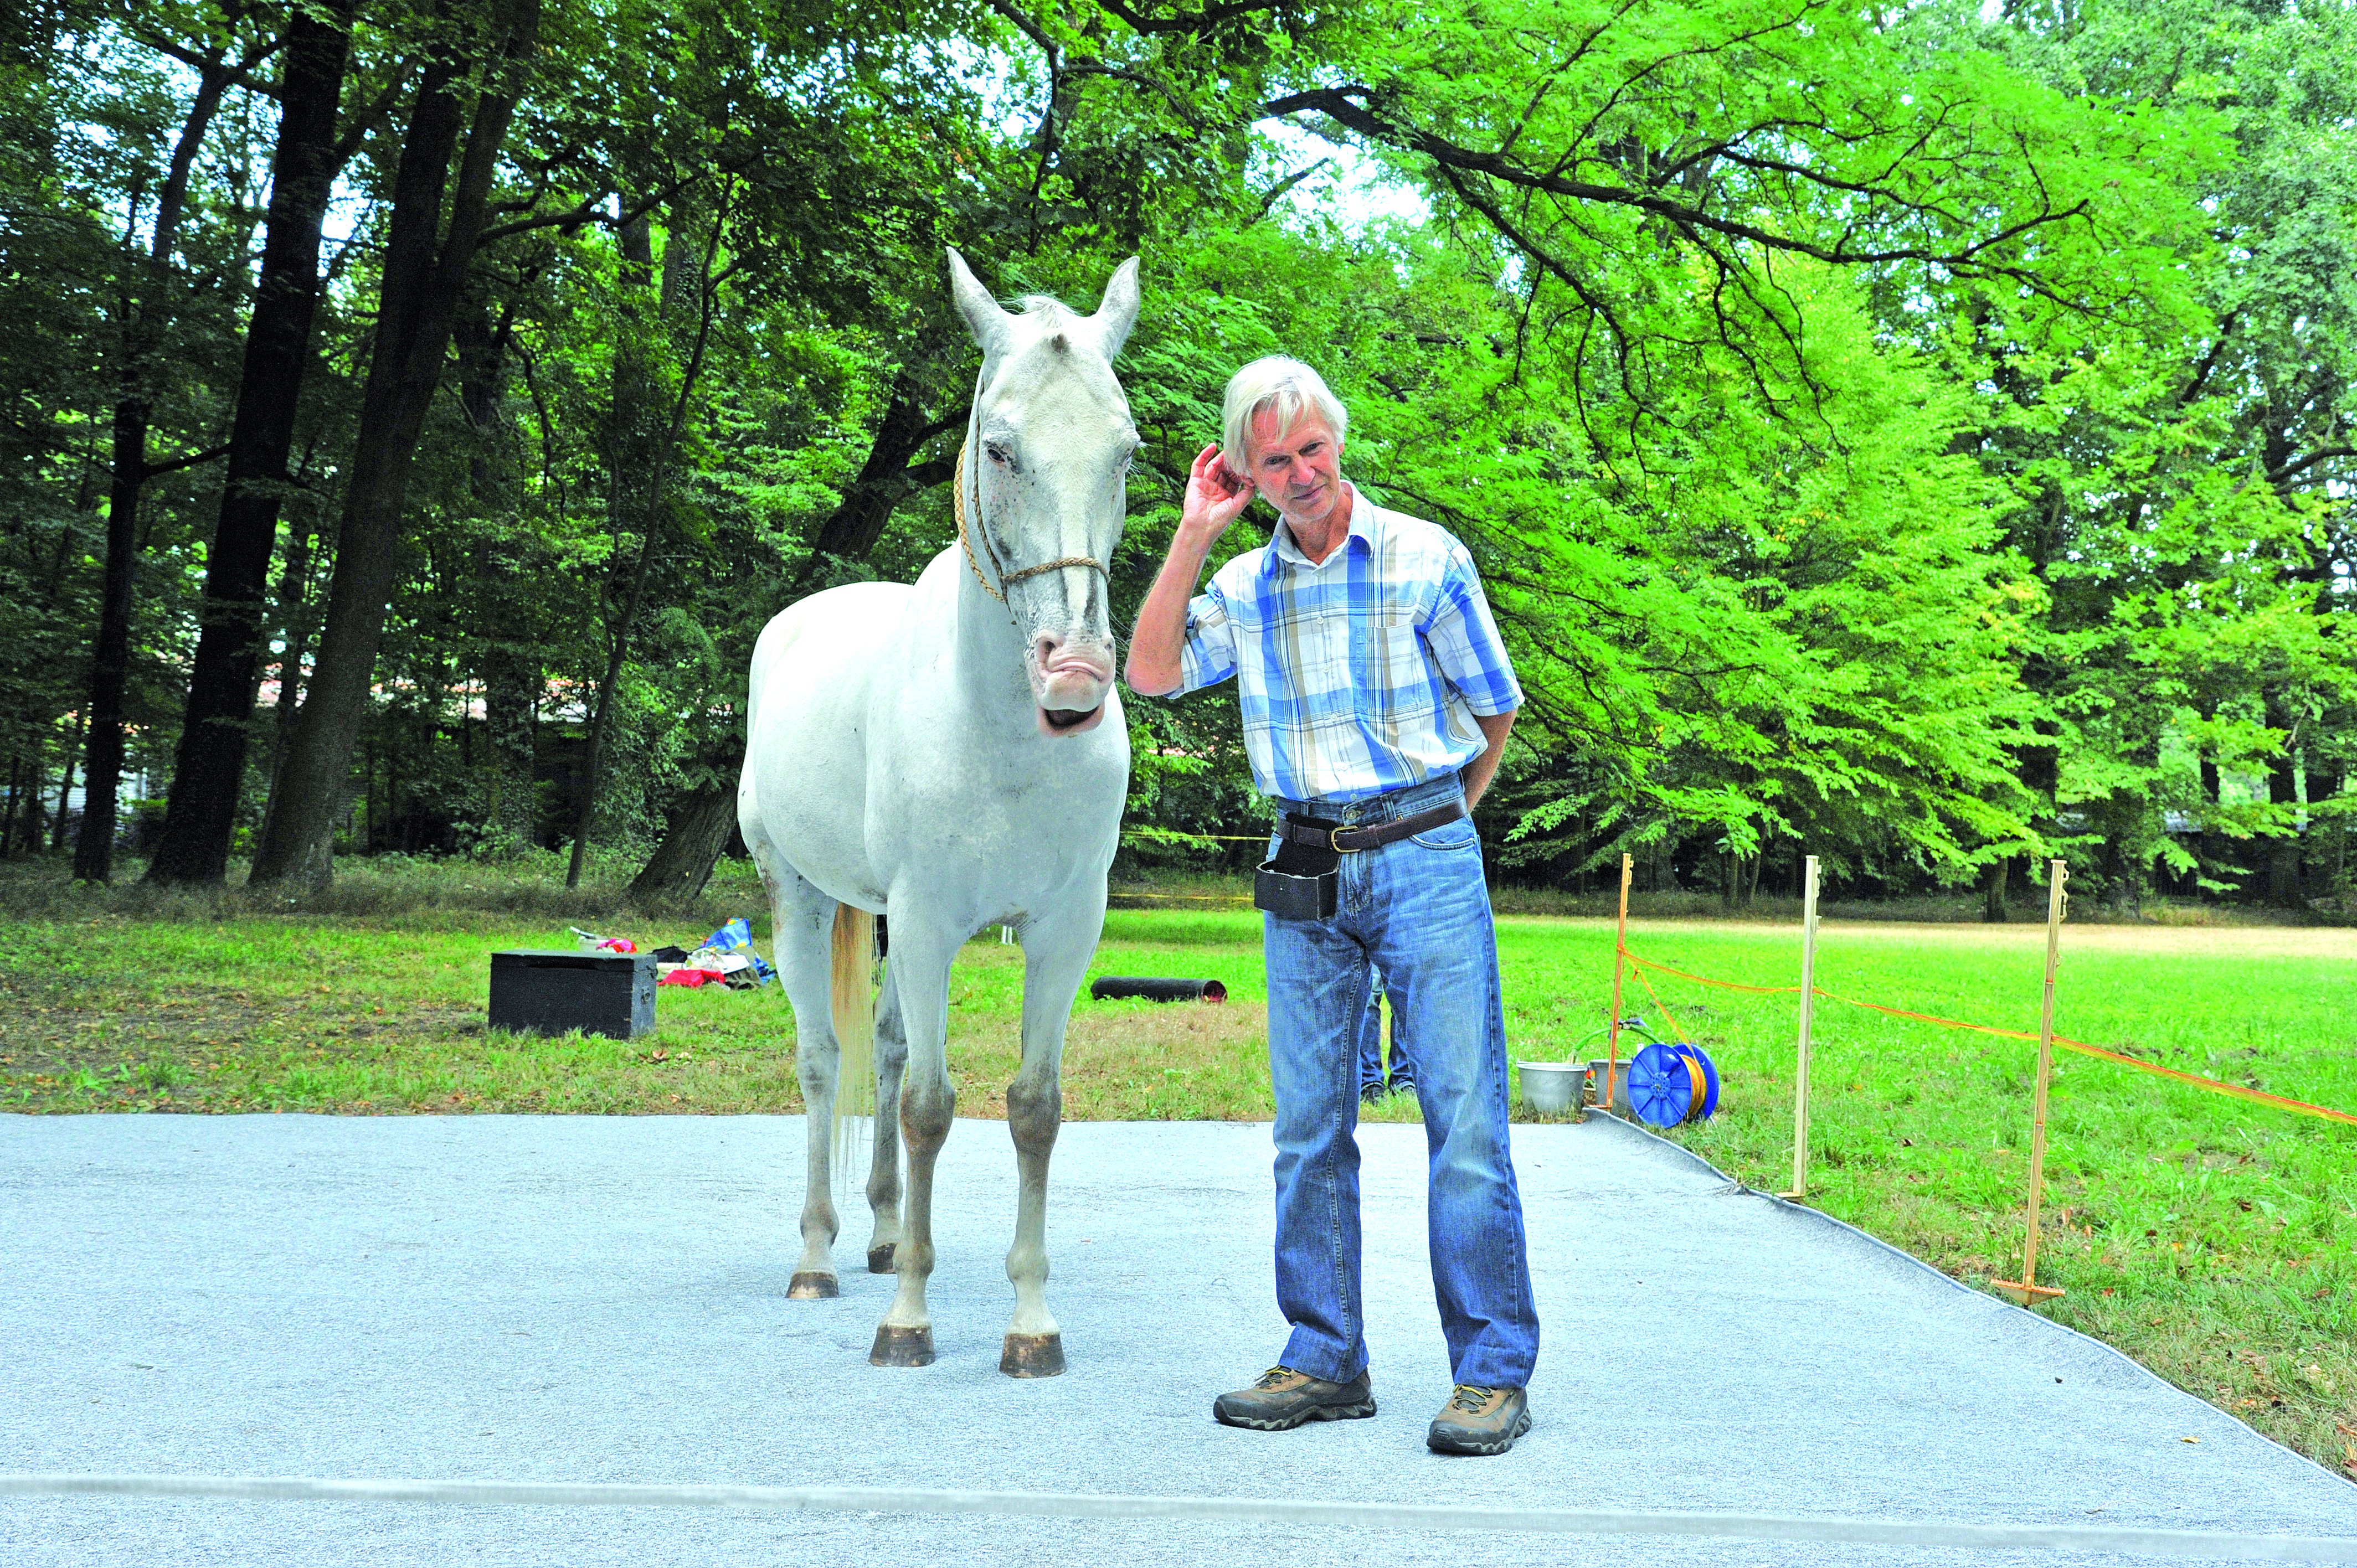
1286, 388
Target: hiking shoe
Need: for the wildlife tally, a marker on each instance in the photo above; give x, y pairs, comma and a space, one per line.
1479, 1421
1285, 1399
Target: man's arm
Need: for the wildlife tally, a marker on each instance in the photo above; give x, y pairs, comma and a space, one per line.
1216, 496
1483, 768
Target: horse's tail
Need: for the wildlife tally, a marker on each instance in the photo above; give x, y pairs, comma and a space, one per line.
851, 1003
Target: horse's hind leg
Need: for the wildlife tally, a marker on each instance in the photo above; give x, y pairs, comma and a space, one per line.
884, 1170
803, 926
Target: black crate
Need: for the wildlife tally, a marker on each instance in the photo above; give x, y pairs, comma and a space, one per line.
548, 990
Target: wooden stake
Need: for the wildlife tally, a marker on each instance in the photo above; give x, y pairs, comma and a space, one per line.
1808, 1016
2027, 1289
1620, 947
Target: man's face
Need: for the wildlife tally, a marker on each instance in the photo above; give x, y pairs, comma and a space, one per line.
1298, 468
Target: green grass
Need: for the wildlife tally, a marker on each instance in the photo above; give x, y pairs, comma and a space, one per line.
2213, 1239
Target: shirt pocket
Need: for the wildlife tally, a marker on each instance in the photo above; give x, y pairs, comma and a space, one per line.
1397, 672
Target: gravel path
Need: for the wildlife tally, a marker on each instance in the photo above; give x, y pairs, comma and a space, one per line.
603, 1299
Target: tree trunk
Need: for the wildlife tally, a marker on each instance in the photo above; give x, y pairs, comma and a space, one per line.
632, 420
8, 817
421, 285
110, 672
2322, 786
633, 454
505, 659
24, 787
885, 481
65, 787
210, 771
2283, 793
37, 780
295, 621
680, 865
511, 680
143, 327
1993, 890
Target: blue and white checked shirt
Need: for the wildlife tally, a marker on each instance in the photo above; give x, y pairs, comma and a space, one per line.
1359, 676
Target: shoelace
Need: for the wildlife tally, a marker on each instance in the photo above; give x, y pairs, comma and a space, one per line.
1273, 1376
1469, 1399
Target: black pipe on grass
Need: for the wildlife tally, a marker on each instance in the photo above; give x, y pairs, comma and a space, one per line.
1111, 987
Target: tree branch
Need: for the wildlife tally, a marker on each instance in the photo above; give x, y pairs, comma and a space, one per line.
588, 210
2322, 454
1275, 193
367, 120
238, 75
150, 470
1200, 21
1351, 108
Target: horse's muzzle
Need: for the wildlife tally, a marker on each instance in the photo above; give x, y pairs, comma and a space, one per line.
1071, 688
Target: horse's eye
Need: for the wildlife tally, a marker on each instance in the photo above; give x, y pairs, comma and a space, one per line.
998, 454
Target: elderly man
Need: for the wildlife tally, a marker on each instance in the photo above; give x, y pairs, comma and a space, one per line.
1376, 700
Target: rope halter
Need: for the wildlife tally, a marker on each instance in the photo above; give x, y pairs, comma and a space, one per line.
1006, 578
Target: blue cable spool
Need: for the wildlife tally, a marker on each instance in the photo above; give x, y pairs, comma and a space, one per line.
1709, 1069
1663, 1085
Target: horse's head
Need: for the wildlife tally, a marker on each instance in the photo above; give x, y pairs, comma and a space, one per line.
1044, 481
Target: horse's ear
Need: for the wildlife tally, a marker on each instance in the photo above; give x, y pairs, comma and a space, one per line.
983, 316
1118, 311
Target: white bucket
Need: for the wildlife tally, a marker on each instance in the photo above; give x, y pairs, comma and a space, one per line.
1553, 1088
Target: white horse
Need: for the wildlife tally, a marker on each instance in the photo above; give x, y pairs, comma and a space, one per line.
952, 754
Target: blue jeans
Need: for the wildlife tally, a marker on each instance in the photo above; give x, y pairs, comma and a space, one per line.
1370, 1044
1417, 909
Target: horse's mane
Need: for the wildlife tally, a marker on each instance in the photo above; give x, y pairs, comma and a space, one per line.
1055, 311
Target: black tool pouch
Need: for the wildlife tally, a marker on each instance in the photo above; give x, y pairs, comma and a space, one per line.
1304, 882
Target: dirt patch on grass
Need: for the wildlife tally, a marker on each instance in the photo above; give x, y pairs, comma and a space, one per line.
1177, 1028
1130, 1061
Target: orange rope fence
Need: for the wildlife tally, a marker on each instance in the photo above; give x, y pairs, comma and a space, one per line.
1664, 1007
1722, 984
2237, 1091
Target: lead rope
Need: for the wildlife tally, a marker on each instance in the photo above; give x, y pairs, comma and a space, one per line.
1006, 578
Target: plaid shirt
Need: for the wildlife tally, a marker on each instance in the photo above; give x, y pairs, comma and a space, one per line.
1359, 676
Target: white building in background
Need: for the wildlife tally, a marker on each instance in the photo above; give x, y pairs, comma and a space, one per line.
136, 784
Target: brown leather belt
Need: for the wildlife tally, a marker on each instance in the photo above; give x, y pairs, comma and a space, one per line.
1349, 841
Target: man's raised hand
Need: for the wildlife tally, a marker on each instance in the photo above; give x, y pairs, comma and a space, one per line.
1216, 496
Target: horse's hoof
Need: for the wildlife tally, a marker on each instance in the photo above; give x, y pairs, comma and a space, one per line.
1032, 1356
902, 1347
880, 1258
811, 1285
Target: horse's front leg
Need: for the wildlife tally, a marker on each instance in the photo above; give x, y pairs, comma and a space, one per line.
802, 924
920, 971
1056, 953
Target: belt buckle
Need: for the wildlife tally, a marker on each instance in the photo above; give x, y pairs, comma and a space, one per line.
1334, 839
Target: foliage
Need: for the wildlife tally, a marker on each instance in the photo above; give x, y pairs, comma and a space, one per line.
1914, 438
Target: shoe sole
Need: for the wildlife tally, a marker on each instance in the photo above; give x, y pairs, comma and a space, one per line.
1439, 1445
1357, 1411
